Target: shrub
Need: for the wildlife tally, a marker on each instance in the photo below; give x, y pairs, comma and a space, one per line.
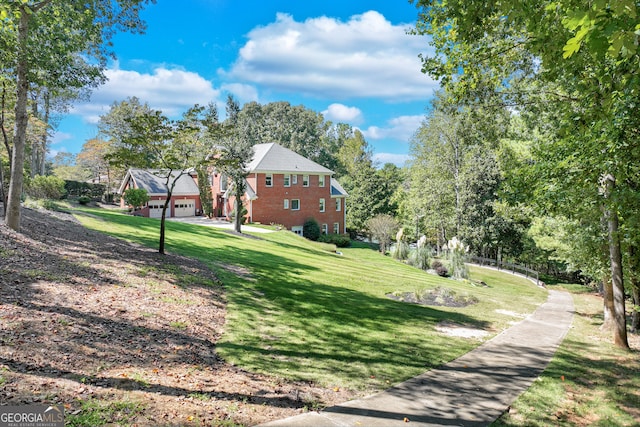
440, 269
311, 229
79, 188
340, 240
382, 227
46, 187
84, 200
400, 251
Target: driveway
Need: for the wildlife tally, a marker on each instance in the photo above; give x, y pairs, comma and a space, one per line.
217, 223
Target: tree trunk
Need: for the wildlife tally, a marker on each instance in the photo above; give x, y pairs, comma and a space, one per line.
615, 259
162, 223
238, 208
635, 317
608, 309
634, 262
12, 210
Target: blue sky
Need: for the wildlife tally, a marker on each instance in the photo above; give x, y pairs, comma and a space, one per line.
350, 60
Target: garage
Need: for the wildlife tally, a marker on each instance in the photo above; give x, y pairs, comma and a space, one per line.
155, 209
184, 207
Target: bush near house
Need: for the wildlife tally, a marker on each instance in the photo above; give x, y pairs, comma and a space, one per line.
340, 240
311, 229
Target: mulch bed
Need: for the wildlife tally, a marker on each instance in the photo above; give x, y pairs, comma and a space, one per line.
87, 317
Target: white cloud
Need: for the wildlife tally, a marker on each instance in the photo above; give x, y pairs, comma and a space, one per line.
400, 128
366, 56
396, 159
169, 90
342, 113
60, 137
244, 93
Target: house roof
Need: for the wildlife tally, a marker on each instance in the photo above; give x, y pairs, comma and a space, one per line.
336, 189
275, 158
154, 183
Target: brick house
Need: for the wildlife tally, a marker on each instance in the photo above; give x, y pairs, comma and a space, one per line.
285, 188
185, 197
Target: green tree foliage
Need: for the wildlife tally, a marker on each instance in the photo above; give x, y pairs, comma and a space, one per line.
573, 65
136, 197
295, 127
164, 147
64, 165
63, 43
234, 141
46, 187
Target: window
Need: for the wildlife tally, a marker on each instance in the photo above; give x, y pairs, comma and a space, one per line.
305, 180
297, 229
294, 179
286, 203
336, 228
338, 205
268, 180
295, 205
325, 229
223, 182
287, 180
321, 180
321, 205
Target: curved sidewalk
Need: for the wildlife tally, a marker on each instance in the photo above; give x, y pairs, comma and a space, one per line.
473, 390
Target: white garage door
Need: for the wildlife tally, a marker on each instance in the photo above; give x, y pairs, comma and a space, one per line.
185, 207
155, 209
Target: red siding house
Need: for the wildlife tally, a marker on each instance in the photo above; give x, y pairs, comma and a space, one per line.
285, 188
185, 199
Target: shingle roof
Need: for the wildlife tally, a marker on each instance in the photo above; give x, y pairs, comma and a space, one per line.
336, 188
155, 184
275, 158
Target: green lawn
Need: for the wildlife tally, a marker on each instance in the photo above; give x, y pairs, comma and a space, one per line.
588, 382
297, 310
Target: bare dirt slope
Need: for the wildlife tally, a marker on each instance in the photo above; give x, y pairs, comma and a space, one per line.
90, 321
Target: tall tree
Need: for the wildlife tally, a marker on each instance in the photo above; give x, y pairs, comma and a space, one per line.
166, 148
44, 37
579, 62
234, 150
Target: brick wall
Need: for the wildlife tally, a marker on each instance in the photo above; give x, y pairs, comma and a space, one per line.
269, 207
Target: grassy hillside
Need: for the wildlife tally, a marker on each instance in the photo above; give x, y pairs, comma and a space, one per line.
298, 310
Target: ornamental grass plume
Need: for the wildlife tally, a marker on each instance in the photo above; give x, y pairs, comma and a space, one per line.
401, 249
420, 257
457, 253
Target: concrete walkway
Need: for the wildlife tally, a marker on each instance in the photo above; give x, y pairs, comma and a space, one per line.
472, 390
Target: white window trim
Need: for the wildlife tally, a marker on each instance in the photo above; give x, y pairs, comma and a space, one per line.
323, 205
338, 205
306, 180
325, 229
294, 179
268, 177
336, 228
295, 200
287, 180
286, 203
321, 180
